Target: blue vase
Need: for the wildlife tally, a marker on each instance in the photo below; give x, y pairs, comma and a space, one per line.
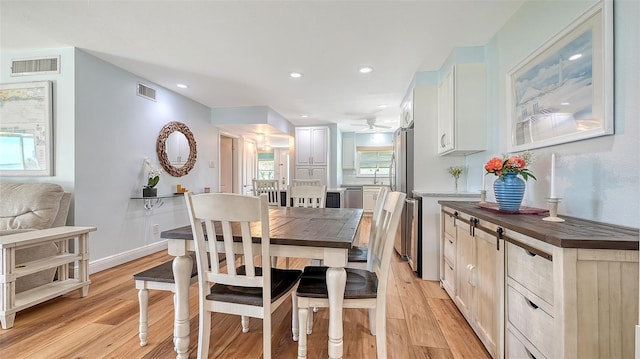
509, 192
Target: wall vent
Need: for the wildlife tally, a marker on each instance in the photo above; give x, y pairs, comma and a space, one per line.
39, 66
146, 92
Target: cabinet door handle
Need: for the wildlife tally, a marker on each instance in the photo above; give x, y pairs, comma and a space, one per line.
450, 241
530, 253
531, 304
442, 140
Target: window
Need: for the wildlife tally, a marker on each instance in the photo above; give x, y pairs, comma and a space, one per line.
374, 161
266, 167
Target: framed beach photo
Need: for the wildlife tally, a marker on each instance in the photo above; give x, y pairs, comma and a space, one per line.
25, 129
563, 91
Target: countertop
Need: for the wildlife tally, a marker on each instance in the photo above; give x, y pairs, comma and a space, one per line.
445, 194
573, 233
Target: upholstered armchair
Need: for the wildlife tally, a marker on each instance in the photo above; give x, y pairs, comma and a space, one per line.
29, 207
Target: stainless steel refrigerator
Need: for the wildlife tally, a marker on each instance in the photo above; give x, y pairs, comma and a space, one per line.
402, 180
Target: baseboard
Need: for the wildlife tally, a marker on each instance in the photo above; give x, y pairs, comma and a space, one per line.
124, 257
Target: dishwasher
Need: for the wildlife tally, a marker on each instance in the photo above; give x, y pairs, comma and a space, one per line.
353, 196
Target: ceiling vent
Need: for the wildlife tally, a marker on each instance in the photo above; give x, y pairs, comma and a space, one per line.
147, 92
39, 66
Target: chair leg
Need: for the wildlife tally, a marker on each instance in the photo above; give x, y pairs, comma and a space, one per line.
302, 341
245, 323
143, 301
372, 321
286, 262
274, 262
294, 316
204, 332
266, 335
381, 330
310, 321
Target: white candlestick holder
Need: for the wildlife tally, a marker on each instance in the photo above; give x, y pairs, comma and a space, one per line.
553, 210
483, 196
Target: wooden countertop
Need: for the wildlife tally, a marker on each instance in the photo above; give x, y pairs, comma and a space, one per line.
573, 233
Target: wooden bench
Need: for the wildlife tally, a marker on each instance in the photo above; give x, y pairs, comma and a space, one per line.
10, 302
158, 278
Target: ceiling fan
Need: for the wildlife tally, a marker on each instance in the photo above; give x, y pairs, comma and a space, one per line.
371, 123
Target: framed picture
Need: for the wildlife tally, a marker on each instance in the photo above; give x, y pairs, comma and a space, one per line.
563, 92
25, 129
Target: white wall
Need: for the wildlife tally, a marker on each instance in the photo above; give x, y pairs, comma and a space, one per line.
63, 114
597, 178
115, 130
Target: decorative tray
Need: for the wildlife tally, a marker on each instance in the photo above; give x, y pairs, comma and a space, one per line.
523, 209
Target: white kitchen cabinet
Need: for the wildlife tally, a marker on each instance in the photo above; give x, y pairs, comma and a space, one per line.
319, 173
462, 110
348, 153
312, 146
369, 198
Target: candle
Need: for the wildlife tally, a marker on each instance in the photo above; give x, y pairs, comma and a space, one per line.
483, 176
552, 191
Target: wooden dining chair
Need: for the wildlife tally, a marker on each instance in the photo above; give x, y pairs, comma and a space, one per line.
305, 182
308, 196
364, 289
359, 256
271, 188
248, 291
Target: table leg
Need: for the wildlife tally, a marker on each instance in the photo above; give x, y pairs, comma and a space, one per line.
336, 281
181, 272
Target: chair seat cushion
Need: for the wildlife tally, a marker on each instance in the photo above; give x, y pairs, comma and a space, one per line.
358, 254
163, 273
282, 280
360, 283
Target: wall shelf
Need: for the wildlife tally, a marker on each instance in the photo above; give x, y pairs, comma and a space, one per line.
157, 201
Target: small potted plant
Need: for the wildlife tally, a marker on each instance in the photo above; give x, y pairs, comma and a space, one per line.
456, 171
153, 177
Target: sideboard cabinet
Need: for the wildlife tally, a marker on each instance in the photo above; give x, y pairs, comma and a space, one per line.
536, 289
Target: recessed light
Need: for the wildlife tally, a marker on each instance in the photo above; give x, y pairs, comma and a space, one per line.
366, 69
304, 116
182, 86
384, 105
575, 57
565, 103
295, 75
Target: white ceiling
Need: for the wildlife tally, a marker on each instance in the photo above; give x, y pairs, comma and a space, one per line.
239, 53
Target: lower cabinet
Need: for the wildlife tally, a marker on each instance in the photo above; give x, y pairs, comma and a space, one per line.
532, 289
479, 278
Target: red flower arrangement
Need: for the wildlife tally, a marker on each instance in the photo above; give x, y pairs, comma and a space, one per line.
511, 164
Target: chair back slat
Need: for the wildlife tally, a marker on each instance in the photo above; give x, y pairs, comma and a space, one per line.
383, 247
214, 258
270, 187
305, 182
223, 213
375, 223
227, 236
308, 196
248, 249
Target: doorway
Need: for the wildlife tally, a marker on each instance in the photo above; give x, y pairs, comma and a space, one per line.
228, 163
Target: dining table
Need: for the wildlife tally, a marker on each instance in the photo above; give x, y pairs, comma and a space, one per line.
315, 233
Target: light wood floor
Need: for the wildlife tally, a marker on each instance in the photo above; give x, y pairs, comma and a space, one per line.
422, 322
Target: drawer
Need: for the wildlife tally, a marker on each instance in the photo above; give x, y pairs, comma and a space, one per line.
534, 323
516, 349
531, 270
449, 281
449, 248
449, 224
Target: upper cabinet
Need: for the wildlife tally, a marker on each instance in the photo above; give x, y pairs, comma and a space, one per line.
348, 153
462, 110
311, 146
